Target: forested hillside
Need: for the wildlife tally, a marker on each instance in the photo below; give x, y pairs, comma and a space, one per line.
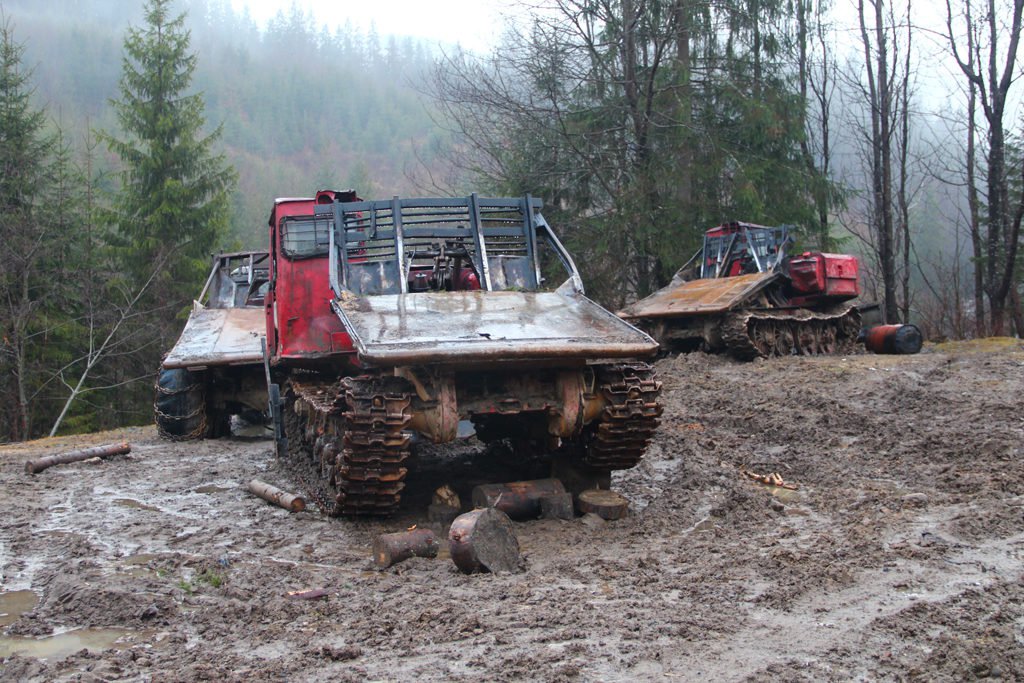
303, 106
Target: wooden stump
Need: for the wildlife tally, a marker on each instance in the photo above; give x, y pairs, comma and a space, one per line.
483, 540
557, 506
605, 504
274, 495
40, 464
517, 499
389, 549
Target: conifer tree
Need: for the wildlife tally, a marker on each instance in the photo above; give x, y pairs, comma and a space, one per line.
173, 200
25, 150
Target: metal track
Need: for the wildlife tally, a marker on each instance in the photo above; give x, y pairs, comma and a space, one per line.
347, 441
628, 421
753, 334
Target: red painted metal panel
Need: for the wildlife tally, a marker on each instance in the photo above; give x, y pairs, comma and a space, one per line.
299, 310
841, 272
807, 273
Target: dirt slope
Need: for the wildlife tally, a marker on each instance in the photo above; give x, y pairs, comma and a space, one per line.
898, 557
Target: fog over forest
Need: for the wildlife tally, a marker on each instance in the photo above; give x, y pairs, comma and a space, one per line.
302, 108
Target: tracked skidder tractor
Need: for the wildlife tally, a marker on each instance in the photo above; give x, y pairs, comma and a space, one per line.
743, 294
391, 321
214, 370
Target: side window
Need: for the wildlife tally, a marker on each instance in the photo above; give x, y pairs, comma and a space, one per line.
305, 237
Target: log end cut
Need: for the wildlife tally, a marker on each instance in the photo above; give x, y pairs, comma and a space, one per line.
483, 541
605, 504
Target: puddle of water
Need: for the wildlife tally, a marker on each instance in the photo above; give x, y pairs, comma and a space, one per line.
138, 505
64, 644
139, 559
61, 533
706, 524
783, 494
14, 604
135, 565
211, 488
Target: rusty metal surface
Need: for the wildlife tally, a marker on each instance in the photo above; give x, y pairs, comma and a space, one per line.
467, 327
699, 297
219, 336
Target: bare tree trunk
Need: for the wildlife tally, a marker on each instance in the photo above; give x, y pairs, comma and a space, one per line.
684, 102
993, 82
974, 207
996, 225
904, 204
880, 93
885, 143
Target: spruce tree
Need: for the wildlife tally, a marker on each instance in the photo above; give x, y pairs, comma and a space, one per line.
25, 151
173, 200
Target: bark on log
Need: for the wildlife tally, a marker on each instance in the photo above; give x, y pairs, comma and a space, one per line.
517, 499
483, 540
40, 464
389, 549
605, 504
557, 506
274, 495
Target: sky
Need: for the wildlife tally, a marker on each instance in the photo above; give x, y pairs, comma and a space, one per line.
474, 24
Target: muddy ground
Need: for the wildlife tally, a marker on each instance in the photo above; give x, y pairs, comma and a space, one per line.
899, 557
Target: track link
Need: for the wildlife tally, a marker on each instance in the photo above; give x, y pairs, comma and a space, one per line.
753, 334
348, 441
628, 421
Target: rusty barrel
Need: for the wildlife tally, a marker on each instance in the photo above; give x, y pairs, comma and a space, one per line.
899, 339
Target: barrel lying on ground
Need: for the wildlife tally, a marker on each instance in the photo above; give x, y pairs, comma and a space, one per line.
517, 499
274, 495
897, 339
389, 549
483, 540
40, 464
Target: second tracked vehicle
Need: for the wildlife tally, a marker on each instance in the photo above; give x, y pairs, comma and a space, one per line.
743, 294
213, 371
394, 319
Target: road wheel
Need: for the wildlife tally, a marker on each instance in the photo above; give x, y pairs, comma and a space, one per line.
180, 404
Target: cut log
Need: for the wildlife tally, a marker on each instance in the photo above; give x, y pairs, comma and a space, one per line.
389, 549
482, 541
438, 513
446, 496
605, 504
274, 495
36, 466
517, 499
557, 506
